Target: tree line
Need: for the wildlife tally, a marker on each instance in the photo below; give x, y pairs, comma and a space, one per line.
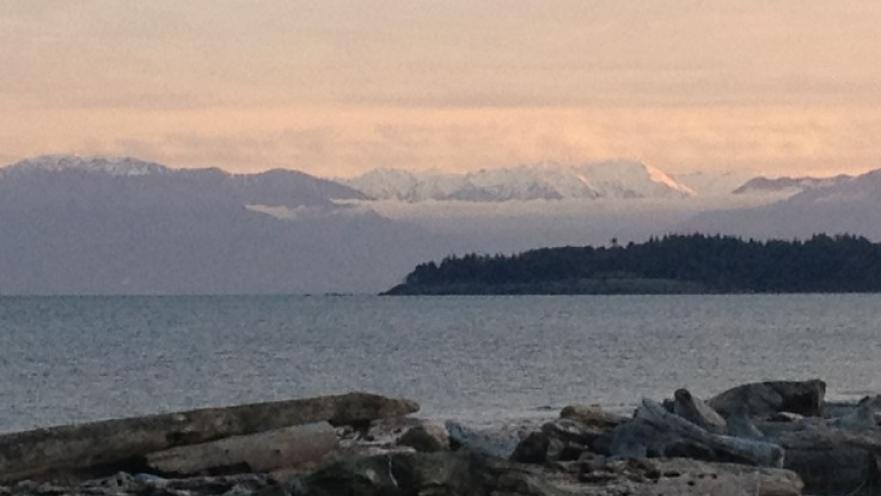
823, 263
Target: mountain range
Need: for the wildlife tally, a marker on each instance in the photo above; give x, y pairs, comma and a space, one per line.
598, 180
103, 225
71, 225
788, 184
841, 205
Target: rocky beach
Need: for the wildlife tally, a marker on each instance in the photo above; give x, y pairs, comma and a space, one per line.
769, 438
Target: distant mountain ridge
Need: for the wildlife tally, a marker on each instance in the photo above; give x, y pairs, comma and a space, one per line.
612, 179
99, 225
116, 166
849, 204
121, 176
764, 184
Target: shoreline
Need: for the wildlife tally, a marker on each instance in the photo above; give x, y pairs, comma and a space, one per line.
313, 446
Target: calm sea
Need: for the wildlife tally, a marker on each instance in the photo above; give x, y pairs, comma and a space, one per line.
65, 359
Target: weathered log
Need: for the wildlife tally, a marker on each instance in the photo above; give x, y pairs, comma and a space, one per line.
119, 441
658, 433
280, 448
697, 412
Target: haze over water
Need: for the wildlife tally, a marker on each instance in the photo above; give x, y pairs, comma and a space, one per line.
67, 359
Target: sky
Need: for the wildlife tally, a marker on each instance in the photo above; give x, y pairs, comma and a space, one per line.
336, 87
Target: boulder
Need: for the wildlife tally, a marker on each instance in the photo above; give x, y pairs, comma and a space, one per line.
571, 431
394, 474
124, 484
538, 448
655, 432
559, 440
114, 443
834, 461
862, 417
469, 474
697, 412
592, 416
763, 399
262, 452
499, 443
427, 438
684, 477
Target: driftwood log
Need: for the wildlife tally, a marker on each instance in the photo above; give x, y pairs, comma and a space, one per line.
262, 452
126, 441
655, 432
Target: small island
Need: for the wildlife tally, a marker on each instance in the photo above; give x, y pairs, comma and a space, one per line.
672, 264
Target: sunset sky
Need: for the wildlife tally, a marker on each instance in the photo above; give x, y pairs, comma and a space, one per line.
336, 87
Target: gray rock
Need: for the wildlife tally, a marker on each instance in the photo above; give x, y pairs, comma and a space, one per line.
862, 417
834, 461
685, 477
571, 431
499, 443
592, 416
395, 474
763, 399
697, 412
469, 474
538, 447
427, 438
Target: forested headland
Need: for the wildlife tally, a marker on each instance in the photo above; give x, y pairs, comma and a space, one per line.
670, 264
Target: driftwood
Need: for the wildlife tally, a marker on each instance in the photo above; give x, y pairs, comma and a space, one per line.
289, 447
657, 432
121, 441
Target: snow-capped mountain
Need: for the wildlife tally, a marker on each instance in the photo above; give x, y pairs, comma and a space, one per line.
714, 183
115, 166
127, 179
788, 184
611, 179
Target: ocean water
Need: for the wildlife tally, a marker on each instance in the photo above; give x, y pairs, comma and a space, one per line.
478, 359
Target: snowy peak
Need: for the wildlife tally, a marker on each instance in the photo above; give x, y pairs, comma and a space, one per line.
115, 166
715, 183
627, 179
612, 179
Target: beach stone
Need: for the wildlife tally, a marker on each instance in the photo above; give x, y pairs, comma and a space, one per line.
763, 399
499, 443
681, 476
834, 461
697, 412
427, 438
393, 474
538, 447
592, 416
862, 417
571, 431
